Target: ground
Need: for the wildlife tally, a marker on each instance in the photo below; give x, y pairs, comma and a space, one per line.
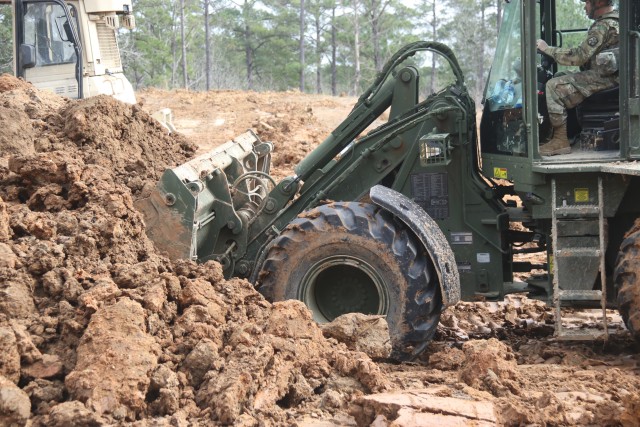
96, 327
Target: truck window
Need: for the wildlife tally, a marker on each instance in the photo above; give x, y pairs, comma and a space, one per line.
44, 27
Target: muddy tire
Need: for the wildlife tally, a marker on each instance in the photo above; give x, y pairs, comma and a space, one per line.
353, 257
626, 278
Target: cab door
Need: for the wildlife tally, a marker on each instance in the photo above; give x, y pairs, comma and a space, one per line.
630, 74
48, 48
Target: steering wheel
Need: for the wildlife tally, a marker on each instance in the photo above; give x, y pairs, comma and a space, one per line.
545, 68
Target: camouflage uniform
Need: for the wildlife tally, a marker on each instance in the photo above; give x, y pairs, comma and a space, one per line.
569, 90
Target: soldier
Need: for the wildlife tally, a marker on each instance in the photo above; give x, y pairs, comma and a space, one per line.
569, 90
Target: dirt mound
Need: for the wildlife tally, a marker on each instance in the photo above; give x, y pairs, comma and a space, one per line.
98, 131
96, 327
8, 82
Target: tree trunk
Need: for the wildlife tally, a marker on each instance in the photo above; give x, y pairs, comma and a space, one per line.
174, 50
480, 56
318, 55
248, 56
185, 82
374, 17
207, 45
334, 48
434, 27
302, 64
356, 48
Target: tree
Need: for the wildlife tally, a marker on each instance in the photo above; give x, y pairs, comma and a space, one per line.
183, 45
474, 44
302, 31
207, 44
6, 35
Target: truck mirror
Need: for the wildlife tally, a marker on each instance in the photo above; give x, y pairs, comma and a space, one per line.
27, 56
67, 31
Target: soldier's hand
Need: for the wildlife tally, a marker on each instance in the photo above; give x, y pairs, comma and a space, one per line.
541, 45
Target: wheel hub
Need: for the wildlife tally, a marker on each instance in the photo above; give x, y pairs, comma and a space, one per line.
343, 284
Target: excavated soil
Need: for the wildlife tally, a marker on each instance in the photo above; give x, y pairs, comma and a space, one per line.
97, 328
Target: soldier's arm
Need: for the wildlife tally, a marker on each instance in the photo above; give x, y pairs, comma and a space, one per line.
580, 55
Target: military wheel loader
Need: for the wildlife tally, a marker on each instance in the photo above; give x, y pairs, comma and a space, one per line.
420, 212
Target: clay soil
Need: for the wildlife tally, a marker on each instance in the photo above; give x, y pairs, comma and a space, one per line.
97, 328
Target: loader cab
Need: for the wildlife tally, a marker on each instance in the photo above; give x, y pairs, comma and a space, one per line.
604, 128
70, 47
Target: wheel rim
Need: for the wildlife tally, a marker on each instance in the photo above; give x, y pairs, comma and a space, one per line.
343, 284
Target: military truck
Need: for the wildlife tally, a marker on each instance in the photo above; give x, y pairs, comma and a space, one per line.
71, 47
425, 210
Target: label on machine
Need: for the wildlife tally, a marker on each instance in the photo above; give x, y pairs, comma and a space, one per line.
431, 192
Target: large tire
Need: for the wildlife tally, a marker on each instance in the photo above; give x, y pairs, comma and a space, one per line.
353, 257
626, 278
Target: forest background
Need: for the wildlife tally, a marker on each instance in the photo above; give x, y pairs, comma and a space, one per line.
315, 46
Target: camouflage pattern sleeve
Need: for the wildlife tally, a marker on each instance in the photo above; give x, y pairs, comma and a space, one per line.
579, 56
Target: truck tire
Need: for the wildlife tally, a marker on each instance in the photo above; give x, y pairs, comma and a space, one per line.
626, 278
353, 257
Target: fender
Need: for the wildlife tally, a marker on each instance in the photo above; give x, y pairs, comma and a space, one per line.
429, 234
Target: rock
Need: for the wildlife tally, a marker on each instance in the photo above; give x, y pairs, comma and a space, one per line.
448, 359
10, 359
419, 407
200, 360
104, 290
49, 367
292, 319
488, 364
44, 392
17, 133
163, 377
15, 405
73, 414
115, 356
5, 230
155, 297
16, 300
360, 332
167, 402
7, 258
29, 353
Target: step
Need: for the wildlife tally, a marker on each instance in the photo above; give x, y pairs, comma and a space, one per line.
580, 295
578, 252
578, 210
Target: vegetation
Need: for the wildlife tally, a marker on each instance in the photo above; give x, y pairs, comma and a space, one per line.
318, 46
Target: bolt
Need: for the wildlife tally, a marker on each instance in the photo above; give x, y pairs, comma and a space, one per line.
169, 199
243, 268
270, 206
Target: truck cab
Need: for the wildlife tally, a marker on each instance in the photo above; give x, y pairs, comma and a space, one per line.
71, 48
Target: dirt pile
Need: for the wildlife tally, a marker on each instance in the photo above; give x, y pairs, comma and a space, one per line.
96, 327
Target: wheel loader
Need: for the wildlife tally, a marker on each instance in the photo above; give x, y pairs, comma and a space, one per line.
410, 216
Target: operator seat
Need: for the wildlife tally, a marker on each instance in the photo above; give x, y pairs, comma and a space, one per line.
599, 117
599, 107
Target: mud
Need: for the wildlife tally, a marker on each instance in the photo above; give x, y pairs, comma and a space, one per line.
96, 328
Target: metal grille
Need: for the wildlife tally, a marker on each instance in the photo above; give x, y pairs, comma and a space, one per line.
108, 46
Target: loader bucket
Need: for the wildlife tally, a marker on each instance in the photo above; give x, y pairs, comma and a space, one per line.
195, 202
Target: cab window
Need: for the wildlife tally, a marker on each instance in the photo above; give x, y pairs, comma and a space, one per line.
46, 27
